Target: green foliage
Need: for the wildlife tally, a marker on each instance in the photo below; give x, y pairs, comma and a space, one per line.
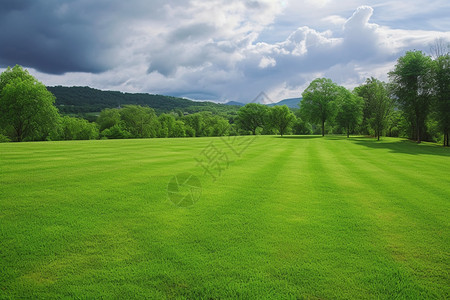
281, 118
301, 127
4, 139
78, 100
377, 105
441, 76
77, 129
397, 124
318, 104
116, 132
140, 121
252, 116
206, 124
196, 123
170, 127
26, 107
108, 118
217, 126
350, 110
412, 84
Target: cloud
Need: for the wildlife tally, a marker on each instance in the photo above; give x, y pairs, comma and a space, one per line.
216, 50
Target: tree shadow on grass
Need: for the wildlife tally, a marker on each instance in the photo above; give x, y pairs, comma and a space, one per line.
402, 146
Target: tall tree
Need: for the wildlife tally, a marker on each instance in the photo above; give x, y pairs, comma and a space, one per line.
412, 86
281, 118
251, 116
27, 109
318, 103
377, 104
350, 110
442, 94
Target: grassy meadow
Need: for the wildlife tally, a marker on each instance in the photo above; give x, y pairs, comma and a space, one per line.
292, 217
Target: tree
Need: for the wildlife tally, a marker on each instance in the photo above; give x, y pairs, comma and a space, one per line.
108, 118
412, 86
170, 127
251, 116
116, 132
167, 126
441, 76
318, 103
216, 125
350, 110
281, 118
140, 121
77, 129
196, 124
377, 104
27, 110
301, 127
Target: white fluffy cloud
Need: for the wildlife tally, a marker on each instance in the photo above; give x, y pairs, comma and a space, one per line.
232, 50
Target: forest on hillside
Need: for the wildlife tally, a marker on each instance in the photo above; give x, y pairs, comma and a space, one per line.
84, 100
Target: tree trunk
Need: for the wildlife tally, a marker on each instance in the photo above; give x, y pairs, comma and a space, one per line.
19, 134
323, 128
418, 134
348, 132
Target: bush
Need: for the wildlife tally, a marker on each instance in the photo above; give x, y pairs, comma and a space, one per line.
115, 132
77, 129
4, 139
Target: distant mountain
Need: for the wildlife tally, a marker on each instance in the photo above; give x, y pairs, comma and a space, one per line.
79, 100
291, 102
235, 103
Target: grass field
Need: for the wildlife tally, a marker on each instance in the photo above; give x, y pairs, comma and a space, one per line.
293, 217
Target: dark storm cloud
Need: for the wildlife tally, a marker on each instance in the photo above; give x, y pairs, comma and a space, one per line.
67, 36
46, 36
207, 49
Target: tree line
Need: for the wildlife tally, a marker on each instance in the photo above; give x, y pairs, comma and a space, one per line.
414, 103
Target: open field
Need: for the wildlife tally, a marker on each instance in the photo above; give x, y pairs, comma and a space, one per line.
293, 217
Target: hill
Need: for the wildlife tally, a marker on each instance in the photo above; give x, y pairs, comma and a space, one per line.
81, 100
235, 103
291, 102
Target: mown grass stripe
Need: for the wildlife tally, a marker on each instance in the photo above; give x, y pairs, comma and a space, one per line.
293, 217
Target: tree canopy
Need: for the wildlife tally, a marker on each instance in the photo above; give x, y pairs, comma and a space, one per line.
441, 70
27, 110
281, 118
377, 104
350, 107
251, 116
318, 104
412, 85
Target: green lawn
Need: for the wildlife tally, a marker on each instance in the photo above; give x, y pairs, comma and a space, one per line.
293, 217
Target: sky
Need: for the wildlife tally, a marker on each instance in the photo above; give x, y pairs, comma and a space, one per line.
218, 50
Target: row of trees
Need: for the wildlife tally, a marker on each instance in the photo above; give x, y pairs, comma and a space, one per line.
28, 113
415, 103
418, 94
